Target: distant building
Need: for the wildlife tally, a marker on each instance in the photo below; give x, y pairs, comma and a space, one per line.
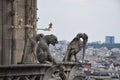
109, 39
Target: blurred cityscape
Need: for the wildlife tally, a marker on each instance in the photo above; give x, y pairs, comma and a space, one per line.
102, 57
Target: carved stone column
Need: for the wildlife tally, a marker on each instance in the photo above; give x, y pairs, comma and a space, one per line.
5, 37
1, 17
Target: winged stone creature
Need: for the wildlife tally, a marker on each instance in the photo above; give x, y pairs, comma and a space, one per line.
75, 46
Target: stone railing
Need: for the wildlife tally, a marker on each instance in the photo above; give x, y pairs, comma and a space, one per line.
67, 71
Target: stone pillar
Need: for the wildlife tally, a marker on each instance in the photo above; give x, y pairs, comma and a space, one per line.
0, 32
30, 14
13, 7
30, 17
6, 34
12, 41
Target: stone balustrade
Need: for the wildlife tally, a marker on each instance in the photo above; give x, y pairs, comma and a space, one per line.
37, 71
23, 71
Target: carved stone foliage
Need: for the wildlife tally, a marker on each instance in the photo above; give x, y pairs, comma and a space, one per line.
55, 73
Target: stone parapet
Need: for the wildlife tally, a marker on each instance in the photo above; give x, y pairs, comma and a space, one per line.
37, 71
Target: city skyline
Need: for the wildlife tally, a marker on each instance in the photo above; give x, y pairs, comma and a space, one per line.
97, 18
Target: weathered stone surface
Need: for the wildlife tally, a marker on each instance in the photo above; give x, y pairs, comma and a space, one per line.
75, 46
0, 34
43, 52
0, 17
13, 41
43, 71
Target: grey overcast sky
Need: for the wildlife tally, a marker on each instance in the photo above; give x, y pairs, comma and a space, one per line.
97, 18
